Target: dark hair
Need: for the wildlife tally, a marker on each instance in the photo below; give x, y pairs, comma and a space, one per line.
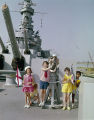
35, 86
45, 62
78, 72
67, 69
30, 70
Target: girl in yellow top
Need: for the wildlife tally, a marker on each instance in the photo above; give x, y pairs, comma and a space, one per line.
75, 86
67, 88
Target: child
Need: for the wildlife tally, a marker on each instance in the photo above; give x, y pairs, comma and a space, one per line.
75, 86
67, 88
28, 86
44, 79
35, 95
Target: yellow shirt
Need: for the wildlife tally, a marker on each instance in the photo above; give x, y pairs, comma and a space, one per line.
67, 87
68, 77
77, 81
34, 93
74, 85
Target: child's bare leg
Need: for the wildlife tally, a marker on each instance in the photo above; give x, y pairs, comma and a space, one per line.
44, 94
30, 101
25, 98
64, 99
73, 96
68, 99
29, 98
38, 98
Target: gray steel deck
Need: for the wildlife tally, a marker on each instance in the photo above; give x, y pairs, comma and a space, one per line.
12, 108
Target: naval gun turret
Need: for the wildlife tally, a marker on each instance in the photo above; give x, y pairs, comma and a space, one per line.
18, 59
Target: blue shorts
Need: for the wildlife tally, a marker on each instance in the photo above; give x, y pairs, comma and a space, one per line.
43, 85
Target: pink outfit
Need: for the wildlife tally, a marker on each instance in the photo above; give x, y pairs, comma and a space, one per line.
45, 75
28, 87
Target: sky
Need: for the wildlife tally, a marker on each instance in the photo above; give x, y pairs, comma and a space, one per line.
67, 27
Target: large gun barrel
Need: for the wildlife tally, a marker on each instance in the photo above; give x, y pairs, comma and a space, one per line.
18, 60
10, 30
4, 50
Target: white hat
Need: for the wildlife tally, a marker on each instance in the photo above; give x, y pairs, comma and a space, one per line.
28, 67
54, 55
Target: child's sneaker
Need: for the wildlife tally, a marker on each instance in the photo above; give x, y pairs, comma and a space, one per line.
25, 106
64, 108
40, 104
28, 106
68, 108
72, 105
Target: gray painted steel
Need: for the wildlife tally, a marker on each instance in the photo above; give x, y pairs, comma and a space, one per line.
2, 44
86, 99
12, 108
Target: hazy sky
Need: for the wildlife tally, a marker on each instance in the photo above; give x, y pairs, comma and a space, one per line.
68, 26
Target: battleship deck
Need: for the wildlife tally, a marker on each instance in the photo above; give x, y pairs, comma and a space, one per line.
12, 108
